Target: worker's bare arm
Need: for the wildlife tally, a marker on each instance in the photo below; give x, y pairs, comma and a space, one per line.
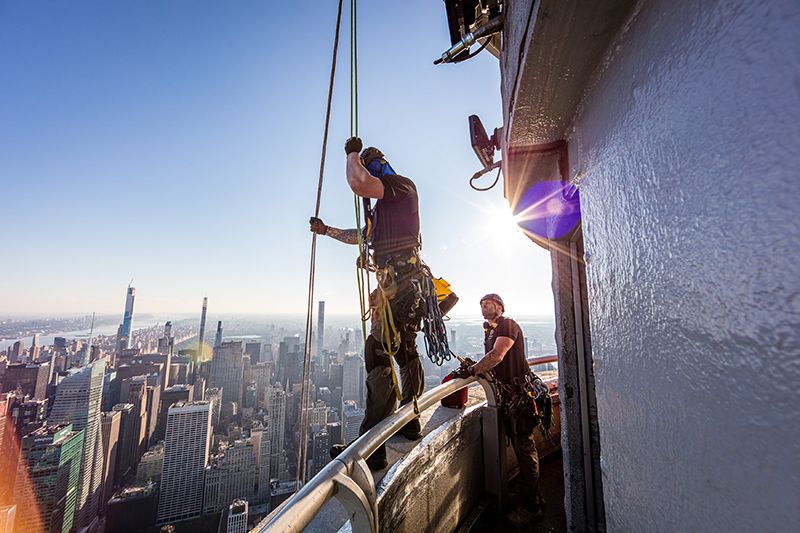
360, 180
347, 236
494, 356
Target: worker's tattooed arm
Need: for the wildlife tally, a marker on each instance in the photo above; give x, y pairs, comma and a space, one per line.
347, 236
494, 356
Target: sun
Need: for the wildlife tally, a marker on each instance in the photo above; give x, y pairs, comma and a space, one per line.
502, 225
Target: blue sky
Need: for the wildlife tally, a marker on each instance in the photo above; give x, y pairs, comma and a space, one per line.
177, 143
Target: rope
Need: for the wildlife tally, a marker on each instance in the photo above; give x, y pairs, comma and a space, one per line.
391, 338
435, 332
305, 392
362, 269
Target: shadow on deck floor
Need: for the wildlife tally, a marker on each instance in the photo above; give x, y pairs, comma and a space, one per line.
551, 472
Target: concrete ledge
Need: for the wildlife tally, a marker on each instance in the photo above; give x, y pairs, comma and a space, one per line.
437, 483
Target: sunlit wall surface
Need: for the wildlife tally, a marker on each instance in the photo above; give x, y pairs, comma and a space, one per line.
688, 148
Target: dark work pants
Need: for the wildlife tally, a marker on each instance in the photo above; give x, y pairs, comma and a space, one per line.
524, 446
381, 400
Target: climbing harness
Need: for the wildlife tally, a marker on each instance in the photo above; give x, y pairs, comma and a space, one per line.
526, 405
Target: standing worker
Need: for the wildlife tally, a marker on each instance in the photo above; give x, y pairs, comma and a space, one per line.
517, 387
392, 232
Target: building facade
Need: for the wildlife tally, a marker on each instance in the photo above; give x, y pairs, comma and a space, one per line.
48, 481
187, 444
78, 402
227, 370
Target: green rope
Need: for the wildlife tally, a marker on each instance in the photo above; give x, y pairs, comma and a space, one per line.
362, 272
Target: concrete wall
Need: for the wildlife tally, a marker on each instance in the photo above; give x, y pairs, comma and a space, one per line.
689, 143
438, 483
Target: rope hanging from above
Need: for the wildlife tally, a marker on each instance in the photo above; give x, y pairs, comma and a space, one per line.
305, 393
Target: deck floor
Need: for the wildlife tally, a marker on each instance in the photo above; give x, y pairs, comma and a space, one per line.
551, 472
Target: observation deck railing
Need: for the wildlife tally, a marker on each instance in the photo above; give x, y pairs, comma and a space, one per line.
348, 478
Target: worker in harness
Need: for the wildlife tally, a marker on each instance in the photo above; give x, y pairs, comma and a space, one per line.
392, 232
524, 400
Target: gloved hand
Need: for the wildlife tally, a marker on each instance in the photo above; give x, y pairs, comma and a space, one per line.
317, 226
353, 144
462, 372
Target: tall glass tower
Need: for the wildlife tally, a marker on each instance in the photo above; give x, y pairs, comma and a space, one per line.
79, 400
127, 318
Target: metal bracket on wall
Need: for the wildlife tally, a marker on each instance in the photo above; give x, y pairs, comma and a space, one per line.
355, 502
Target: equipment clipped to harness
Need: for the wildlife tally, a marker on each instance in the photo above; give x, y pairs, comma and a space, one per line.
445, 296
437, 300
526, 406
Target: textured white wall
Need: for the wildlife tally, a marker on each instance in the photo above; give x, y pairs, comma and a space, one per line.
689, 147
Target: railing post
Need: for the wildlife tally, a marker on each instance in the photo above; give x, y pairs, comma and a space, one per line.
495, 467
356, 503
360, 473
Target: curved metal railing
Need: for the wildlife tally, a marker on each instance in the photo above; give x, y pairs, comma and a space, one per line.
348, 478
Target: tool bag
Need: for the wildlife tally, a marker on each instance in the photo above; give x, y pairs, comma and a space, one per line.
528, 407
459, 398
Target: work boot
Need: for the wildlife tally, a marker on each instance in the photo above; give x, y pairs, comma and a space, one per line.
521, 517
336, 449
377, 463
412, 430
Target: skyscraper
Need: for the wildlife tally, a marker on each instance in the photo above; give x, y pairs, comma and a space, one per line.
9, 444
150, 465
127, 441
227, 370
353, 380
232, 476
125, 329
214, 395
320, 452
260, 437
48, 479
174, 394
16, 352
31, 378
237, 517
35, 348
109, 434
166, 345
218, 337
78, 401
276, 410
254, 350
187, 444
199, 356
321, 332
137, 396
352, 416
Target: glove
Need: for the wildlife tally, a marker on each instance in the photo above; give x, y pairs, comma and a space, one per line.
317, 226
353, 144
461, 373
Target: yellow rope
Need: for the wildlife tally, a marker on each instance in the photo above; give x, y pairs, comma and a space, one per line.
391, 337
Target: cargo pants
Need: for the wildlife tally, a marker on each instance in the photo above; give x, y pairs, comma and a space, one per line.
381, 400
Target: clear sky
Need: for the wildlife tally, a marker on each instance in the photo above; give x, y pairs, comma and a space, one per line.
177, 143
